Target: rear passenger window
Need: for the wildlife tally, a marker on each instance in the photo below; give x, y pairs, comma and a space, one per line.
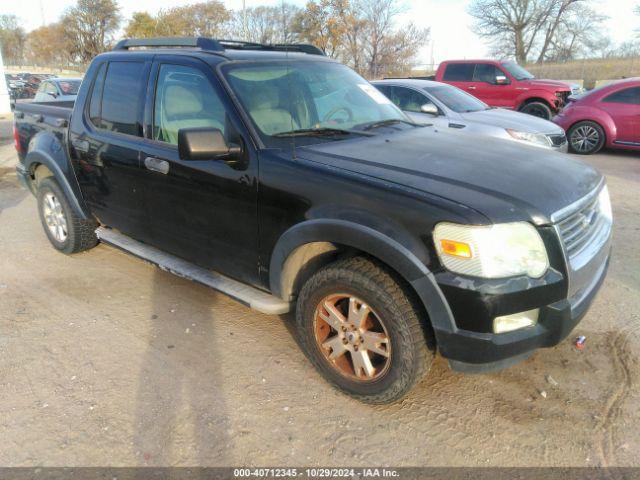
628, 95
459, 72
121, 96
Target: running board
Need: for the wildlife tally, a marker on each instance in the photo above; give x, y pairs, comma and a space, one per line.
249, 296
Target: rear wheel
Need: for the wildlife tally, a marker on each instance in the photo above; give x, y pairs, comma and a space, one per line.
362, 330
66, 231
586, 138
537, 109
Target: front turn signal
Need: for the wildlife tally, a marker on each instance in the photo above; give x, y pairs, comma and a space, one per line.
456, 249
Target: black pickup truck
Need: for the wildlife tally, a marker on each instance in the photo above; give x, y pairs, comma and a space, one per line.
283, 179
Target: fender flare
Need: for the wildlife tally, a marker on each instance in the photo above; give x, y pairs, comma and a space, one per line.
366, 239
548, 98
37, 157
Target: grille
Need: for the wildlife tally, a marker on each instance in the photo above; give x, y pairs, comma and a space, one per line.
581, 227
558, 140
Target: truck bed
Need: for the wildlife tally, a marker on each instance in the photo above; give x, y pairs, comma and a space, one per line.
32, 118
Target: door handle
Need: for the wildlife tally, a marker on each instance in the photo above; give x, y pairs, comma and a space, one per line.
472, 88
156, 165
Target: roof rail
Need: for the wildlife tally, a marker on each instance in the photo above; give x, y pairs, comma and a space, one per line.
278, 47
202, 43
213, 45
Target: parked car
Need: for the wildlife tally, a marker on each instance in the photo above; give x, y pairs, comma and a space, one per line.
447, 106
608, 116
58, 90
288, 182
506, 84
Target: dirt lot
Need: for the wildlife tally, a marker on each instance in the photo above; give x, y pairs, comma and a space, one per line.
106, 360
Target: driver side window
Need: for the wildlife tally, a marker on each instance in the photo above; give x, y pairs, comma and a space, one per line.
184, 99
408, 100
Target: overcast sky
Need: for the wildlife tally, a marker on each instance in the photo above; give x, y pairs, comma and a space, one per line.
447, 19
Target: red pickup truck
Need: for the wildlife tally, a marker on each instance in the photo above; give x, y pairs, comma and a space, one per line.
505, 84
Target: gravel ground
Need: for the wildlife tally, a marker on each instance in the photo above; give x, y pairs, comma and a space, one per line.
106, 360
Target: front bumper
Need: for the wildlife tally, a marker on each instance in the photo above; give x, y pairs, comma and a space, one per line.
481, 351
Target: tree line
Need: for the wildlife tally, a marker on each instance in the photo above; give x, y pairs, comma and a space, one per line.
365, 34
361, 33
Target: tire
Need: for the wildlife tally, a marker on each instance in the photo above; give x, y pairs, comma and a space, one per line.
586, 138
394, 313
537, 109
56, 216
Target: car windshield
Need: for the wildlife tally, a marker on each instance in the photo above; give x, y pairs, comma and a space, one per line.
314, 101
517, 71
69, 87
457, 100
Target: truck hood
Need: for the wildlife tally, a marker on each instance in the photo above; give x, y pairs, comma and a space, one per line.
500, 117
503, 180
547, 84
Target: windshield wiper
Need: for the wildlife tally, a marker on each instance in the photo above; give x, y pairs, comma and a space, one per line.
321, 132
390, 121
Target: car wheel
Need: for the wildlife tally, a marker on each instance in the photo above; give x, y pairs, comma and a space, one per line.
362, 330
537, 109
66, 231
586, 138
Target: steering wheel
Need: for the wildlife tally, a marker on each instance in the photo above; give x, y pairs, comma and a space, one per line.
335, 110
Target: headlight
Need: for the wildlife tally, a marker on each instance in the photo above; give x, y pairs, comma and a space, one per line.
536, 138
493, 251
604, 203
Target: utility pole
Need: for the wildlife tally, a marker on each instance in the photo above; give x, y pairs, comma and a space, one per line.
244, 20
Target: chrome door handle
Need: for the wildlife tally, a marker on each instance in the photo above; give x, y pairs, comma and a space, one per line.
472, 88
156, 165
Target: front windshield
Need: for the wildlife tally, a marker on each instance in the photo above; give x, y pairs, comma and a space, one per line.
320, 101
457, 100
517, 71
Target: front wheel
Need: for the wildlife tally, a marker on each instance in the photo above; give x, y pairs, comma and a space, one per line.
537, 109
363, 331
586, 138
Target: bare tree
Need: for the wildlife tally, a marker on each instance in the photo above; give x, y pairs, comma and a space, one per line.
526, 29
265, 24
361, 33
12, 39
89, 27
47, 45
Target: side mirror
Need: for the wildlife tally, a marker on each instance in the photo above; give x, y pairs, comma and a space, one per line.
430, 109
205, 143
502, 80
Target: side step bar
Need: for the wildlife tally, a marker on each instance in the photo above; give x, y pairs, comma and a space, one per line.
249, 296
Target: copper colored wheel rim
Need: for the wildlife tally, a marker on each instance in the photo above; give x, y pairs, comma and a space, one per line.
352, 337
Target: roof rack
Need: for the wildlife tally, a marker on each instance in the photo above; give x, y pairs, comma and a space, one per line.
202, 43
213, 45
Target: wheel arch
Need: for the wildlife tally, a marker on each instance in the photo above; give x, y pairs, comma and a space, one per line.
45, 162
536, 98
310, 245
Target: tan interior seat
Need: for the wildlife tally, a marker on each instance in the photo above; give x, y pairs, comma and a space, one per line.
266, 111
184, 107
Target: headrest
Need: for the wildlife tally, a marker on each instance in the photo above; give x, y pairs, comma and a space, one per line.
179, 100
265, 98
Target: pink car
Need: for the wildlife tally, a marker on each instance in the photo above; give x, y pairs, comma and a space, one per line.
607, 116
